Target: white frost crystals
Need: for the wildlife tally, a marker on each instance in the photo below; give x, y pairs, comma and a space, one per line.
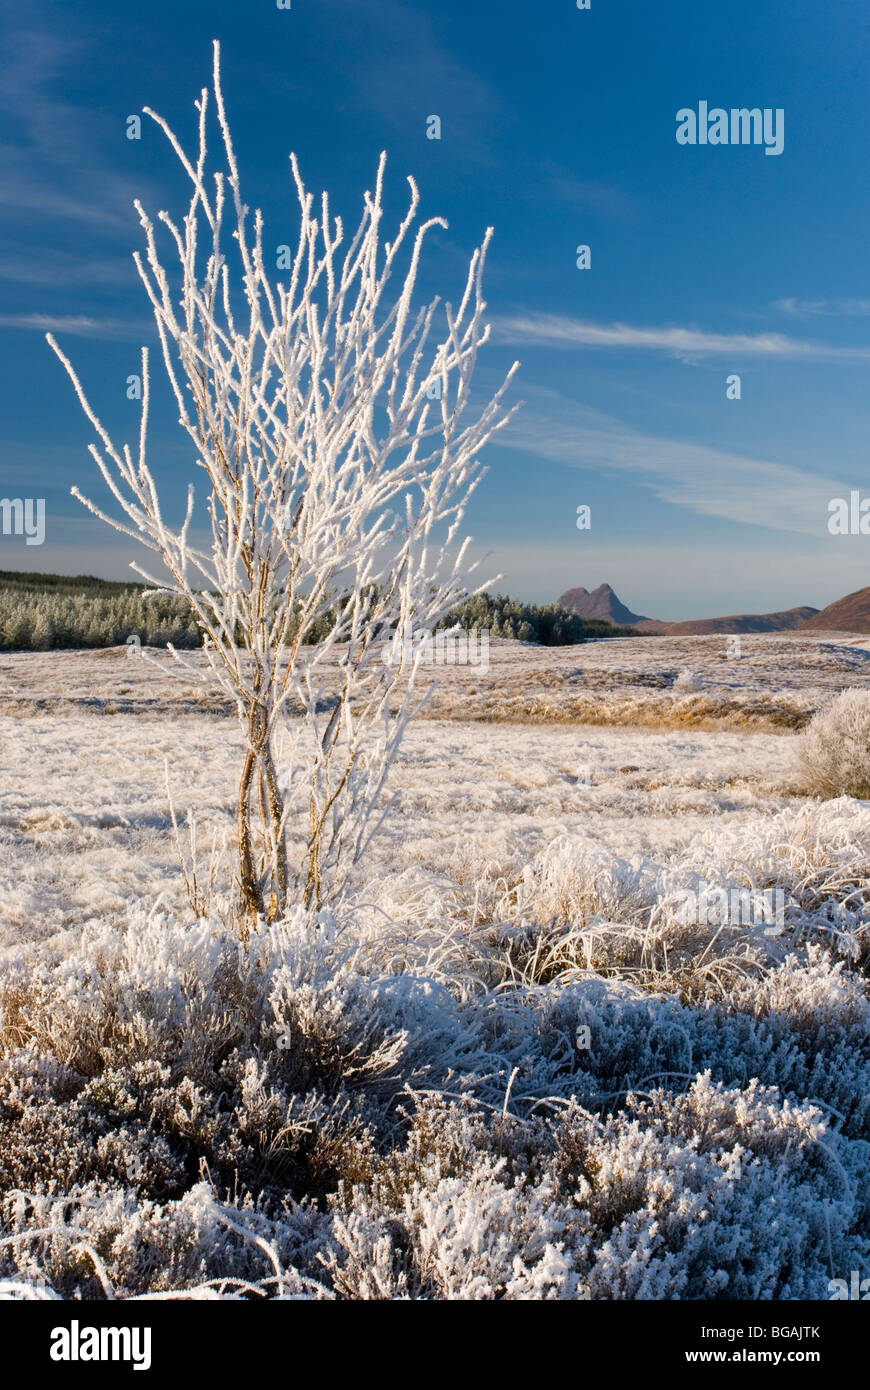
833, 752
695, 1151
337, 487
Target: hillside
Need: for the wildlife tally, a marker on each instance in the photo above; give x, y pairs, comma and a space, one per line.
34, 582
849, 614
785, 621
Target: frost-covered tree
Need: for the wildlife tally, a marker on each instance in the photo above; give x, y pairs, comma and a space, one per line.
331, 420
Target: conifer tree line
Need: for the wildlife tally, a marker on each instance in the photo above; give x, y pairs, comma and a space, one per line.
46, 612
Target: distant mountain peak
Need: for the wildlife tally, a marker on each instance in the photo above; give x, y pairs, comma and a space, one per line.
600, 605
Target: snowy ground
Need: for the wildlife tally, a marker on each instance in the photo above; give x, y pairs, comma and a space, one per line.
87, 739
770, 681
550, 810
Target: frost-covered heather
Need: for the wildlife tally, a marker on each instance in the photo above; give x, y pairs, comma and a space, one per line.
407, 1104
834, 749
177, 1114
777, 682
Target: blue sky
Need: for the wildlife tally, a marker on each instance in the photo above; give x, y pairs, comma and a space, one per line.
558, 128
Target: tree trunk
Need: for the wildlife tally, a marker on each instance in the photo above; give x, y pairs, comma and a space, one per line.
251, 892
264, 892
276, 818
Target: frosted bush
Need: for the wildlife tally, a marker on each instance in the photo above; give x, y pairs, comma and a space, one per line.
686, 683
183, 1116
833, 752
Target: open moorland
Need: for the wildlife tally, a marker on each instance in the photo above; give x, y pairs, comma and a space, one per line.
507, 1064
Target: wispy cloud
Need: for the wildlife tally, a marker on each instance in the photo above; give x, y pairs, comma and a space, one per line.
48, 323
78, 324
707, 481
57, 166
66, 270
823, 308
559, 331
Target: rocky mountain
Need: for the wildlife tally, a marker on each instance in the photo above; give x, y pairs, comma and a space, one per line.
603, 604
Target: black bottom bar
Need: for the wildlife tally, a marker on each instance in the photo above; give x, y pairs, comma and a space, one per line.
229, 1338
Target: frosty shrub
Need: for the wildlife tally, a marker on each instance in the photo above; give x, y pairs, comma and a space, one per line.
183, 1116
331, 465
686, 683
833, 752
